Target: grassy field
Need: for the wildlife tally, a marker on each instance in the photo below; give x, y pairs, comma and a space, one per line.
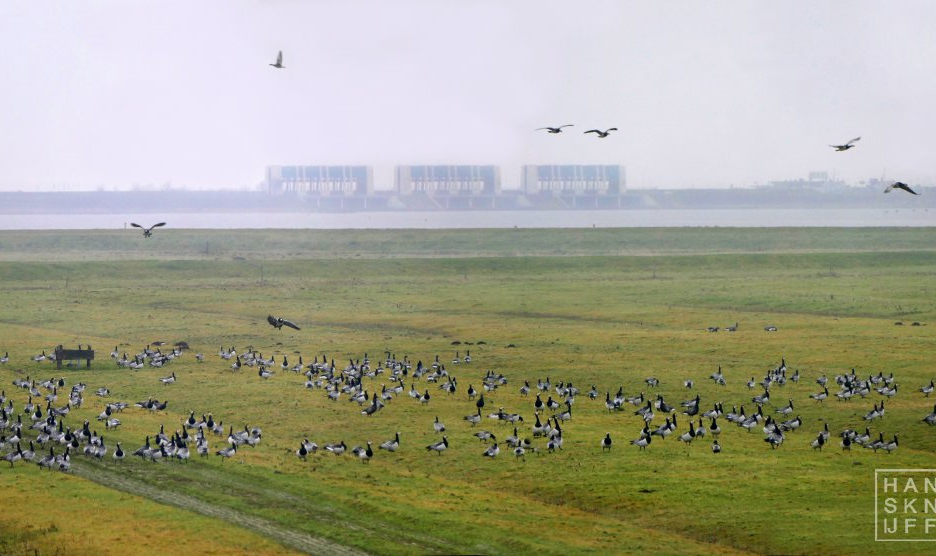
604, 307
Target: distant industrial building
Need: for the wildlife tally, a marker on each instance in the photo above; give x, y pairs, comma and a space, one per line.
573, 179
321, 180
448, 180
816, 180
450, 187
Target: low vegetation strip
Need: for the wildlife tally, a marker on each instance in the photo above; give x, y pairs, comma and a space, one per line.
293, 539
238, 245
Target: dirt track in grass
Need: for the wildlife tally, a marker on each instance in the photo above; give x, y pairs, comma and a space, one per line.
292, 539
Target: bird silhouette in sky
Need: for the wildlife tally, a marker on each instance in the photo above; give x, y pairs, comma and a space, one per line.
554, 129
602, 134
900, 185
279, 61
846, 146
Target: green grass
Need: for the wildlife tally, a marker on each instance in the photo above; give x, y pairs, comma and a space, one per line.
604, 307
172, 244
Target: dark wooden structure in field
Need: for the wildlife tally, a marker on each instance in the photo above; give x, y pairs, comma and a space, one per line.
62, 354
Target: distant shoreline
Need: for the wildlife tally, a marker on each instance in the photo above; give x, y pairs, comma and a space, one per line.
747, 218
178, 201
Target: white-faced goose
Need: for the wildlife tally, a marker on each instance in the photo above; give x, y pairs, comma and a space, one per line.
606, 442
391, 445
890, 446
48, 461
474, 419
513, 440
337, 449
225, 453
931, 418
818, 443
438, 447
689, 435
485, 435
820, 396
927, 390
644, 439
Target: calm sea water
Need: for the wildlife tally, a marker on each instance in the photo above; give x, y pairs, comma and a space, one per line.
852, 218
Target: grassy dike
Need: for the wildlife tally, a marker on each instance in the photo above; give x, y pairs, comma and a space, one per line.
604, 307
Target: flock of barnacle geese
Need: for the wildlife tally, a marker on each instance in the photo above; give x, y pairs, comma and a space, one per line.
46, 421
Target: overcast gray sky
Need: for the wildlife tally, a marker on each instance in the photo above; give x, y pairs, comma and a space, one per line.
112, 93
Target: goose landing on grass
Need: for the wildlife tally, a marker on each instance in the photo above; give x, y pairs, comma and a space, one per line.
147, 232
278, 323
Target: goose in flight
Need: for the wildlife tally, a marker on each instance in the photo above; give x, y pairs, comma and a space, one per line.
900, 185
279, 322
846, 146
554, 129
279, 61
147, 232
602, 134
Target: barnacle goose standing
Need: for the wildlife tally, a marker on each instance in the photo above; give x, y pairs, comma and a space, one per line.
438, 447
818, 443
302, 452
364, 454
890, 446
337, 449
931, 418
227, 452
391, 445
928, 389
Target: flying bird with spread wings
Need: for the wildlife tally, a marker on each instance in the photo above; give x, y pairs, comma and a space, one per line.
278, 323
846, 146
602, 134
900, 185
279, 61
554, 129
147, 232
